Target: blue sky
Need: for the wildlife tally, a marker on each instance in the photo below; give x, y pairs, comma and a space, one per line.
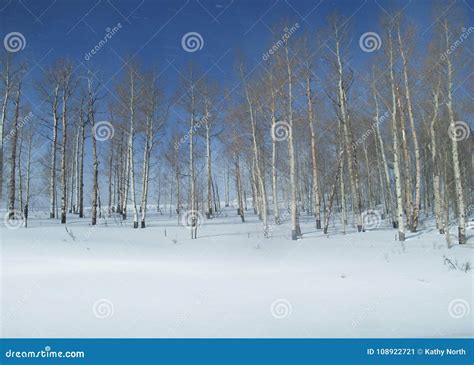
152, 30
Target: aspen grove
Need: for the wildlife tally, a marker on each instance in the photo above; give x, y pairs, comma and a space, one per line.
302, 133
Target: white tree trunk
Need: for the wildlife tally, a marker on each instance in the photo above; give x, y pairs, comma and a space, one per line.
396, 163
52, 173
295, 227
454, 148
314, 159
434, 161
415, 212
12, 181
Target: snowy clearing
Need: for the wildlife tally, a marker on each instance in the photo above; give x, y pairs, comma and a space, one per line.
230, 282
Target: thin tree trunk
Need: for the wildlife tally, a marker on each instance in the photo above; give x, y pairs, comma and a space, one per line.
28, 179
52, 176
295, 227
434, 161
81, 166
66, 93
369, 178
239, 187
407, 163
351, 152
191, 168
7, 85
396, 162
261, 193
415, 213
331, 196
95, 161
20, 175
314, 160
111, 159
12, 182
391, 204
454, 148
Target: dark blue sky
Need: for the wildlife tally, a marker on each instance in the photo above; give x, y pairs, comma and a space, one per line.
152, 30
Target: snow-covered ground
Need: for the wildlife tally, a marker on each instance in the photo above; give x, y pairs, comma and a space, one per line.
113, 281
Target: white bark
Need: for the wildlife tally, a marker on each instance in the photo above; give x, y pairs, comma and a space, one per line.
415, 212
434, 161
461, 213
7, 84
130, 149
396, 163
314, 159
295, 227
52, 173
14, 139
388, 188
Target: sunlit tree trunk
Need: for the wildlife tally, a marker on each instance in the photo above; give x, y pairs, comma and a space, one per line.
314, 160
411, 118
454, 145
95, 161
52, 173
7, 87
295, 226
396, 162
13, 152
435, 163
